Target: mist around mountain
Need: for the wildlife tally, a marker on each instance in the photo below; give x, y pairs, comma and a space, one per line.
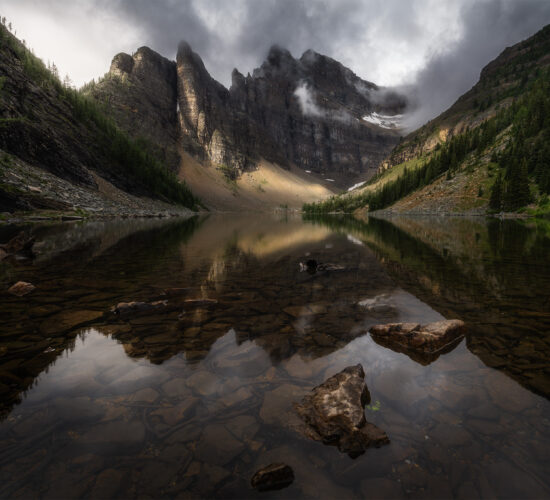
488, 153
155, 133
294, 131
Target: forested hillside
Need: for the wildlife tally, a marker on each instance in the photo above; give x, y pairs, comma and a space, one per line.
51, 126
501, 162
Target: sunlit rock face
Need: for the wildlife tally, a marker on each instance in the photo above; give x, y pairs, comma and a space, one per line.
305, 111
140, 91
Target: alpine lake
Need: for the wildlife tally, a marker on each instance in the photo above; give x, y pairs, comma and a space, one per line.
190, 401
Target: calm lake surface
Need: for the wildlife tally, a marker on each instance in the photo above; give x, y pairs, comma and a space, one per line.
190, 402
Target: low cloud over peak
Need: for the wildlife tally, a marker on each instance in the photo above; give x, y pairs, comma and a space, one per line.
436, 47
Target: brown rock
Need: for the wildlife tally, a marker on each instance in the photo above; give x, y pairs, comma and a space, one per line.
173, 415
21, 288
125, 309
199, 303
335, 413
218, 446
428, 338
272, 477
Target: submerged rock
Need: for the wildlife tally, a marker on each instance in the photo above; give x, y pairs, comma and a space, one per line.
272, 477
200, 302
19, 245
21, 288
136, 308
334, 413
176, 292
381, 305
428, 338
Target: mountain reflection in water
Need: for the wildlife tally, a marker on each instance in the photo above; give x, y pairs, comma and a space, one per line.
193, 399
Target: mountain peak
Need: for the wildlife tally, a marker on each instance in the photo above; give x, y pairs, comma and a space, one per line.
121, 64
279, 57
184, 48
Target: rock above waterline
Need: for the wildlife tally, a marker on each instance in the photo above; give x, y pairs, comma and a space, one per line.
424, 338
125, 309
334, 413
21, 288
272, 477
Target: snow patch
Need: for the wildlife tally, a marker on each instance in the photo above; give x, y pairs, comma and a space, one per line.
354, 240
355, 186
384, 121
330, 180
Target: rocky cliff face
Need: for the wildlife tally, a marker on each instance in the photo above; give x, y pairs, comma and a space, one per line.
59, 151
141, 93
308, 112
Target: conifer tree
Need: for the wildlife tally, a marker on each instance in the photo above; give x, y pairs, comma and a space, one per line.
495, 202
523, 191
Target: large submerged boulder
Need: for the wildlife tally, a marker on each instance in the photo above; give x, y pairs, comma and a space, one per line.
429, 338
334, 413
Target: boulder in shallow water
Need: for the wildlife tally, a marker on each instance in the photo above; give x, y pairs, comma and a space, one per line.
428, 338
334, 413
21, 288
272, 477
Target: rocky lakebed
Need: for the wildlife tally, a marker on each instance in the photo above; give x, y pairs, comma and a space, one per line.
268, 356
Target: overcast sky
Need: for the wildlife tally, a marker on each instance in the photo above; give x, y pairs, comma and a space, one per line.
437, 45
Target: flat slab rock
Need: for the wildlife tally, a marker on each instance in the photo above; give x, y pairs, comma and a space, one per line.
125, 309
428, 338
334, 413
272, 477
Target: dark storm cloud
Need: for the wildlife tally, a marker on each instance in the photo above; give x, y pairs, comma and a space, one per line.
489, 27
435, 46
239, 33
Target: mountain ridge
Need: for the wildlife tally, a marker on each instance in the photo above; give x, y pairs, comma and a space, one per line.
261, 116
497, 130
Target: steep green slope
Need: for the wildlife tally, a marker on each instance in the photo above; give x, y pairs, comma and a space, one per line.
494, 138
56, 129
